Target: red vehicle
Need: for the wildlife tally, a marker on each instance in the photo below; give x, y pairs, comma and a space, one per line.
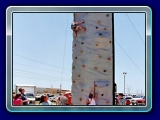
141, 101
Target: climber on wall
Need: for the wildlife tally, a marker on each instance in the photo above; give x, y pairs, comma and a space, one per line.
75, 26
91, 100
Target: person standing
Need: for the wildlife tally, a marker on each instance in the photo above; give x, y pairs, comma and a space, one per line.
120, 100
63, 100
44, 100
24, 99
17, 100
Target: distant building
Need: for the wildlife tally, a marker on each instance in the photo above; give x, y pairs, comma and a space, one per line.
40, 90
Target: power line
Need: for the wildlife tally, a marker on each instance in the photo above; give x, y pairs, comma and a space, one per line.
37, 67
130, 57
135, 28
35, 73
38, 61
64, 51
21, 76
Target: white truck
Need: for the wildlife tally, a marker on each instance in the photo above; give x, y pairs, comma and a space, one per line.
30, 91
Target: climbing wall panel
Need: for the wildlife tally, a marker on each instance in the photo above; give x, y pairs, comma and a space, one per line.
93, 59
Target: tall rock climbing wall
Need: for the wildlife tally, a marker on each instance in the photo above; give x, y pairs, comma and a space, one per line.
93, 59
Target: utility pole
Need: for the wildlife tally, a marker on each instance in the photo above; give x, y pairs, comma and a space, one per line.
137, 91
124, 73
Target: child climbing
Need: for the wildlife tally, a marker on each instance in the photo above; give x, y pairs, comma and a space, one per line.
75, 26
91, 100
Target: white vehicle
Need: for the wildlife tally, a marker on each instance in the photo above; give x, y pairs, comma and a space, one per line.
135, 98
30, 91
50, 97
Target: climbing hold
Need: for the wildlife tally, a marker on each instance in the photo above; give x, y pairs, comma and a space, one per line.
73, 67
96, 27
74, 44
79, 76
100, 33
110, 41
81, 51
80, 99
107, 102
96, 44
104, 71
73, 81
99, 22
102, 94
106, 84
100, 56
82, 90
82, 43
83, 66
109, 58
107, 15
105, 28
95, 85
75, 57
95, 68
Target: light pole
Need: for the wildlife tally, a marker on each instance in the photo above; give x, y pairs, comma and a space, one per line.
124, 73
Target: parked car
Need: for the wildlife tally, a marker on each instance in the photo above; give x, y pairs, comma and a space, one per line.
141, 101
30, 97
55, 98
51, 97
135, 99
38, 97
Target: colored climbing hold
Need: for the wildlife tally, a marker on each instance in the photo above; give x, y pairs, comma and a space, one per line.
83, 66
106, 84
73, 81
75, 57
99, 22
95, 68
100, 33
110, 41
79, 76
100, 56
80, 99
109, 58
82, 90
107, 102
96, 27
73, 67
95, 85
82, 43
105, 28
107, 15
74, 44
102, 94
96, 44
104, 71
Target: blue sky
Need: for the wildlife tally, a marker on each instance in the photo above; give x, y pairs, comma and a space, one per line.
38, 50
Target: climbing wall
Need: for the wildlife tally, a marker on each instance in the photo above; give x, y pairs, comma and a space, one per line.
93, 59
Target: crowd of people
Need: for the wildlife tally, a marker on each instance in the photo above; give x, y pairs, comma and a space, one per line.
21, 99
